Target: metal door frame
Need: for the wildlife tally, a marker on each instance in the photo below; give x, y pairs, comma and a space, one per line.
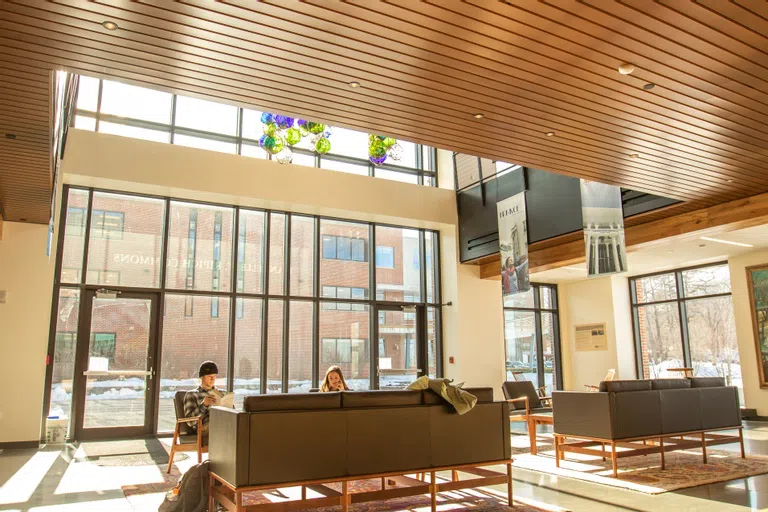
420, 329
81, 365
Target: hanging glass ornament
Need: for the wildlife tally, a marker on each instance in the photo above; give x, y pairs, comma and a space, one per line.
380, 147
395, 151
284, 122
323, 145
283, 132
285, 156
293, 136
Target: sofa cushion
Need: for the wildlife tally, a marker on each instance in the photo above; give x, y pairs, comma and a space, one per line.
670, 383
429, 397
292, 402
720, 407
351, 399
483, 394
707, 382
621, 386
636, 414
680, 410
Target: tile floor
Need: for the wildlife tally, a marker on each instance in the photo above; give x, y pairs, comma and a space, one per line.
48, 480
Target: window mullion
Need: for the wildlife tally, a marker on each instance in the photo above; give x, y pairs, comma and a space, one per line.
683, 317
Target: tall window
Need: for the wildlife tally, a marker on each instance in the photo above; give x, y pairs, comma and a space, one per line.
532, 337
273, 322
136, 112
684, 319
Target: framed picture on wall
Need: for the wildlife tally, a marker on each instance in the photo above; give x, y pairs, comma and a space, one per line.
757, 279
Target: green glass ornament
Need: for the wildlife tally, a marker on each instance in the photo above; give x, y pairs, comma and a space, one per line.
270, 129
323, 146
377, 148
315, 127
389, 141
274, 145
292, 136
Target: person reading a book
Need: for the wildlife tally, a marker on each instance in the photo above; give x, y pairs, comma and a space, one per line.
334, 380
197, 402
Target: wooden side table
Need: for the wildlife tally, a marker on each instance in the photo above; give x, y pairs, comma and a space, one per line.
544, 418
687, 372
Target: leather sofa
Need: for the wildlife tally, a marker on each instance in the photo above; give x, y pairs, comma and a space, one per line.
311, 436
636, 408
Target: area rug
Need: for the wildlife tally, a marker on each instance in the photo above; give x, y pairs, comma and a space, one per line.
684, 468
134, 452
482, 499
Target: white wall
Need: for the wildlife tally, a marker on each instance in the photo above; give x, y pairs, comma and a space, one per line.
26, 274
600, 300
119, 163
754, 396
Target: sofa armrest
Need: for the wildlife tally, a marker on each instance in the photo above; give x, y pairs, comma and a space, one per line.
582, 413
229, 444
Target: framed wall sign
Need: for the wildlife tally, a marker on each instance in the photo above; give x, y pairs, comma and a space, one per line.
757, 279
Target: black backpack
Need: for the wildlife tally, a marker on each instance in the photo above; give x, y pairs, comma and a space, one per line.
193, 491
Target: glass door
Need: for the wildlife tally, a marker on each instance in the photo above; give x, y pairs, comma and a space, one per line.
115, 365
401, 348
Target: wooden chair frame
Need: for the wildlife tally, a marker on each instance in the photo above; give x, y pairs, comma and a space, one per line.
178, 446
527, 418
396, 484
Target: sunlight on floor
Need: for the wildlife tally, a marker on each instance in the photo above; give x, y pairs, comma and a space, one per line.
20, 487
116, 505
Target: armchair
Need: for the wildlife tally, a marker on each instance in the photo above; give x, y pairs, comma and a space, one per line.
608, 376
184, 438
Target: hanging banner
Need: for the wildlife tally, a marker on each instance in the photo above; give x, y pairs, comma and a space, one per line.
513, 242
603, 220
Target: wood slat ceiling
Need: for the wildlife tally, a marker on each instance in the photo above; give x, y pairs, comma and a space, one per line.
25, 161
700, 135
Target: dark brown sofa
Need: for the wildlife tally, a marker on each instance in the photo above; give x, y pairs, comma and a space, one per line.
623, 411
295, 437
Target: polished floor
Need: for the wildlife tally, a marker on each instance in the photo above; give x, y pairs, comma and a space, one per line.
51, 480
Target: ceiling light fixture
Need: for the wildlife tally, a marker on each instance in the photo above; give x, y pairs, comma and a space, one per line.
740, 244
478, 116
634, 155
550, 134
109, 25
354, 85
10, 135
729, 181
626, 68
649, 86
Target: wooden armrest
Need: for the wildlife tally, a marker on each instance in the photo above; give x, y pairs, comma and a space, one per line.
545, 398
517, 399
185, 420
588, 386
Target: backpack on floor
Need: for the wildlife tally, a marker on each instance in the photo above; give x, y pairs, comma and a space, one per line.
193, 491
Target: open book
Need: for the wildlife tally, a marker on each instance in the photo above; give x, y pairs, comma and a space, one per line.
224, 398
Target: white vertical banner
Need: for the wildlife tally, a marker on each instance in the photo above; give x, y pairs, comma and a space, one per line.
513, 244
603, 220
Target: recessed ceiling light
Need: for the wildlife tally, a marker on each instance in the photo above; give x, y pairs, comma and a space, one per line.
634, 155
354, 85
649, 86
740, 244
626, 68
478, 115
109, 25
10, 135
549, 134
729, 181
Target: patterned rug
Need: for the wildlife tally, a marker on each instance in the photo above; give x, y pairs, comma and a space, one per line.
684, 468
481, 499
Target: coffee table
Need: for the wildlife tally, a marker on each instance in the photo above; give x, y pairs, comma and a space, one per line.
543, 418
